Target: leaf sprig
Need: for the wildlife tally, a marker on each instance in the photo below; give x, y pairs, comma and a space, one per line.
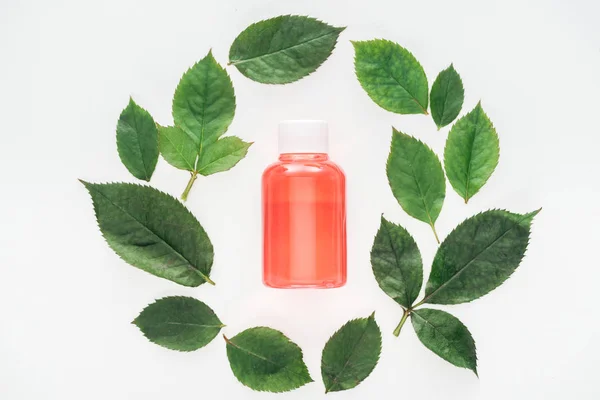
478, 256
203, 108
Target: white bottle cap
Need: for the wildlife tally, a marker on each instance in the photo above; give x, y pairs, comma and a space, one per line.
303, 136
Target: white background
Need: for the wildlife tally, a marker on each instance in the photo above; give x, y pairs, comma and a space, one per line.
67, 69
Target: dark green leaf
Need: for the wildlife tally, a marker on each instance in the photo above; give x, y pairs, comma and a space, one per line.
222, 155
179, 323
266, 360
416, 177
391, 76
351, 354
447, 96
283, 49
177, 147
153, 231
471, 153
478, 256
137, 141
204, 102
446, 336
397, 264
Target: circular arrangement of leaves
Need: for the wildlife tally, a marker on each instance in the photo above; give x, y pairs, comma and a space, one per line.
155, 232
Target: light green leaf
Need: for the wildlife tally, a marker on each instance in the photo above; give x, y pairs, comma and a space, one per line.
177, 147
222, 155
397, 264
204, 102
351, 354
478, 256
447, 96
471, 153
153, 231
283, 49
266, 360
391, 76
446, 336
179, 323
137, 141
416, 177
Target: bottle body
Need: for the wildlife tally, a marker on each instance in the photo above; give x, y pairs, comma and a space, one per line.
304, 222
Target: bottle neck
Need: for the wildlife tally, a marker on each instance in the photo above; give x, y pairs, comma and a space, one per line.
303, 157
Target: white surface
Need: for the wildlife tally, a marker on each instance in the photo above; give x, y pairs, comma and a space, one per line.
66, 300
303, 136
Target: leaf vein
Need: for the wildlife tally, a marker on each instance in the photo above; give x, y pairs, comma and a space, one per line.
244, 350
284, 49
335, 379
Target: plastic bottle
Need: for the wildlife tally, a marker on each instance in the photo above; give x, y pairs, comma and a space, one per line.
304, 211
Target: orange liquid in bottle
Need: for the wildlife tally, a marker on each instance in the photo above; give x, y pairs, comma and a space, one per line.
304, 216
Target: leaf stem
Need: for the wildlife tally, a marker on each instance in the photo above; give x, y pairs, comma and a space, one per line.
402, 321
435, 233
186, 192
207, 279
420, 303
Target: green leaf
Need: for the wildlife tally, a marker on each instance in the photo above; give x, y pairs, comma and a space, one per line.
266, 360
137, 141
446, 336
204, 102
471, 153
416, 177
283, 49
447, 96
222, 155
153, 231
177, 147
397, 264
179, 323
391, 76
478, 256
351, 354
